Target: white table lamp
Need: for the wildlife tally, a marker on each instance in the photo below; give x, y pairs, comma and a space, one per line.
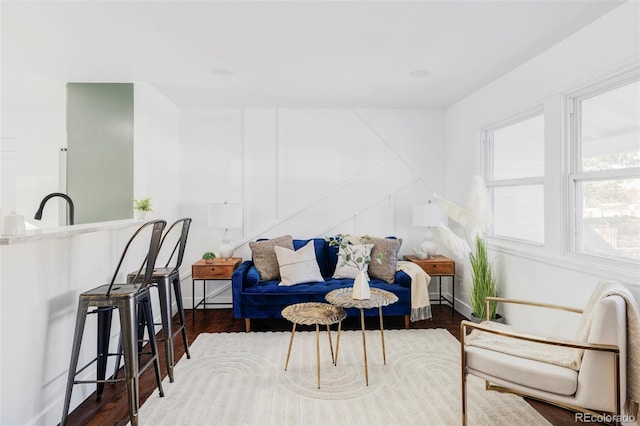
225, 216
427, 214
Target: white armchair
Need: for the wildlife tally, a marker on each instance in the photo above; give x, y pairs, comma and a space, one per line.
586, 375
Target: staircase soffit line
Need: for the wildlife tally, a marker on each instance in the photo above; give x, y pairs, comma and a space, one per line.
279, 222
336, 187
350, 179
354, 215
387, 144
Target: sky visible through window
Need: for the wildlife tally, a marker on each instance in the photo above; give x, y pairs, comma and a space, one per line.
610, 142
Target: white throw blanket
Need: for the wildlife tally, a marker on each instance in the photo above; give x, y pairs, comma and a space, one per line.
571, 358
558, 355
602, 290
420, 305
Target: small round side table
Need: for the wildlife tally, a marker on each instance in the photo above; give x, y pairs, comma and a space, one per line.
379, 298
313, 313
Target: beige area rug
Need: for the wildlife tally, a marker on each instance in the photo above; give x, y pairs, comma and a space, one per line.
239, 379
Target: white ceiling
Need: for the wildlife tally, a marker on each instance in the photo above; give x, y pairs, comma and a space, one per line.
283, 54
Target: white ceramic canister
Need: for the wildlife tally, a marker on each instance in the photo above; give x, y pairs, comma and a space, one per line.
13, 224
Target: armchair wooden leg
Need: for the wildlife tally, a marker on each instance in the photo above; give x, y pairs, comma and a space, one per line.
464, 398
247, 324
463, 371
407, 323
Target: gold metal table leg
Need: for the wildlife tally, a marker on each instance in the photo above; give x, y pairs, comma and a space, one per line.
364, 347
384, 354
293, 332
333, 358
335, 361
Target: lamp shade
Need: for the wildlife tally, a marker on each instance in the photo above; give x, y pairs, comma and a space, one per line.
428, 214
225, 215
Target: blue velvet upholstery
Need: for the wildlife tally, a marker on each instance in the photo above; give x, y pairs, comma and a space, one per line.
255, 299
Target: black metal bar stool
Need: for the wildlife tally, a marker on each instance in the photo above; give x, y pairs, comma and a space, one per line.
130, 300
164, 278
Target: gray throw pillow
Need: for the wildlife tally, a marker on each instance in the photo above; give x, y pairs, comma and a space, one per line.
389, 248
264, 256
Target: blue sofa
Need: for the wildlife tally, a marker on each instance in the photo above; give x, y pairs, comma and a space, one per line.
253, 298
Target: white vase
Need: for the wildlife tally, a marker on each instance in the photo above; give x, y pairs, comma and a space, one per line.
13, 224
361, 286
139, 214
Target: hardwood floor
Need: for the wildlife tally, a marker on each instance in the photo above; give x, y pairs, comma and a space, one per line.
112, 409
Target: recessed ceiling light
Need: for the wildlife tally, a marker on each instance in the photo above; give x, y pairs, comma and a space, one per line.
419, 73
222, 72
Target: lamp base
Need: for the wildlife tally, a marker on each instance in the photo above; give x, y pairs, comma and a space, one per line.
428, 247
226, 249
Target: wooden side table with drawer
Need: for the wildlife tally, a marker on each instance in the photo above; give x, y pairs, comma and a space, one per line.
220, 269
439, 266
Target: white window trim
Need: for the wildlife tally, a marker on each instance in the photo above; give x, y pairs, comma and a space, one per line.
486, 160
614, 270
486, 164
554, 252
572, 166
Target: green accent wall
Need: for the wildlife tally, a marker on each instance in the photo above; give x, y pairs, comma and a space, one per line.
100, 150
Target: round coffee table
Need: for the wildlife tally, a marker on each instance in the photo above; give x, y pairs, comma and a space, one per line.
379, 298
313, 313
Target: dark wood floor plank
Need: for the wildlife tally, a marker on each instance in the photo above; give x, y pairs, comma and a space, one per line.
112, 410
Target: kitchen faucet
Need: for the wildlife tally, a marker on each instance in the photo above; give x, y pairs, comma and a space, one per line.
38, 215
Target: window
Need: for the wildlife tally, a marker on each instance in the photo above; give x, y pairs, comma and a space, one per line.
514, 172
604, 173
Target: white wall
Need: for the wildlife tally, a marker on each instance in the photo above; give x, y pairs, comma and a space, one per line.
543, 273
156, 152
32, 136
41, 282
309, 172
37, 331
34, 131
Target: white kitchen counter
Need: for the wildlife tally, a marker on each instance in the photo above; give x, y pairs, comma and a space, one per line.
65, 231
41, 275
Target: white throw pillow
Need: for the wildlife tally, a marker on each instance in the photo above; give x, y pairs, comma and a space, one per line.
297, 267
348, 270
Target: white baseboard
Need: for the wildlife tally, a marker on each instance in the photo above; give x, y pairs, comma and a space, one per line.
214, 295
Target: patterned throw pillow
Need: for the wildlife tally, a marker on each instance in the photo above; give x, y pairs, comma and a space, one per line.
389, 248
348, 270
264, 256
297, 267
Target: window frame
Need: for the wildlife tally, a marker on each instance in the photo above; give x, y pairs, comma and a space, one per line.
487, 167
575, 176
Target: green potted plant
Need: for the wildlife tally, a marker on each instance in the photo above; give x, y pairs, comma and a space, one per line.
141, 207
208, 257
484, 282
351, 254
474, 219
